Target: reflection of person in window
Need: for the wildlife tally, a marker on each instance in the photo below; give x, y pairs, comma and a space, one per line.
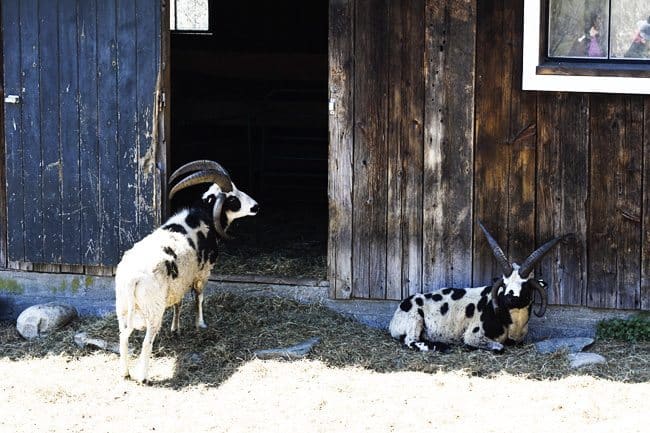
639, 46
590, 43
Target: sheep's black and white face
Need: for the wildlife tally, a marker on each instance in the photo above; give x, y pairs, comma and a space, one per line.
515, 291
516, 295
236, 205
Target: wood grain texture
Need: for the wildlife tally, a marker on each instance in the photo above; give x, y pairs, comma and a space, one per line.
562, 192
88, 139
69, 132
13, 140
405, 149
341, 147
79, 68
127, 124
31, 133
50, 135
645, 221
450, 42
614, 241
107, 101
147, 15
370, 150
493, 154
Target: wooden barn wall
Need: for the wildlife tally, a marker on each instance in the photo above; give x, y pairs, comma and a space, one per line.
81, 144
583, 173
431, 132
401, 128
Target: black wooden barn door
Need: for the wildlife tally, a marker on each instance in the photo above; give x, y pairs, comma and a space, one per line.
81, 82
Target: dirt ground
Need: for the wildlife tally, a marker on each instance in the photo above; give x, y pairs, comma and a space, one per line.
357, 379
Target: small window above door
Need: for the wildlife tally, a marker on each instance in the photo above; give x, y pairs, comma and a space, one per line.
189, 16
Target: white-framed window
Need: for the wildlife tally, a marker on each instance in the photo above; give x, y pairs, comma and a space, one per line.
189, 16
587, 46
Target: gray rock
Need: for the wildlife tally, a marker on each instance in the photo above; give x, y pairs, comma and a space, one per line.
581, 359
571, 345
82, 340
294, 352
42, 319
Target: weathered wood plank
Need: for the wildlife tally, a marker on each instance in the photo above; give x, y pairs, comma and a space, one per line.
69, 131
31, 132
614, 247
88, 118
370, 150
341, 73
492, 151
645, 222
52, 169
3, 178
147, 55
127, 123
448, 142
12, 130
562, 172
107, 131
521, 140
629, 205
405, 149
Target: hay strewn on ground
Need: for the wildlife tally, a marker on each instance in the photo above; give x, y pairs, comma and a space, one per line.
278, 242
238, 326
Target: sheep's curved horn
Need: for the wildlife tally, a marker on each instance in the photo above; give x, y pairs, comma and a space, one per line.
493, 293
497, 251
543, 294
536, 256
205, 176
216, 216
201, 164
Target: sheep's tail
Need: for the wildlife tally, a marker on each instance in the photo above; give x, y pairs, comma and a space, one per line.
125, 299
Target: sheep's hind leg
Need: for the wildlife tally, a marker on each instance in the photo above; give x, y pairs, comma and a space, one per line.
140, 374
125, 333
176, 326
198, 321
424, 345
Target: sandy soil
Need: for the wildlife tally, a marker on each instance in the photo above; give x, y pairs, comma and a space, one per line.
86, 394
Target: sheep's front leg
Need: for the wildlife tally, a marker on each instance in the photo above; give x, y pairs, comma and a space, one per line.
176, 326
198, 298
482, 342
141, 370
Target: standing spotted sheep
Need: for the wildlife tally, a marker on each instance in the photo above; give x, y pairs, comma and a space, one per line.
482, 317
158, 270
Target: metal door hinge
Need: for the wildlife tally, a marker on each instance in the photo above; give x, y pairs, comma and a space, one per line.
12, 99
162, 100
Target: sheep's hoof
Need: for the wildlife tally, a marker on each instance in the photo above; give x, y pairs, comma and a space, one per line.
200, 326
139, 376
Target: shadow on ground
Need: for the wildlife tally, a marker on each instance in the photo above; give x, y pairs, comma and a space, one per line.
240, 325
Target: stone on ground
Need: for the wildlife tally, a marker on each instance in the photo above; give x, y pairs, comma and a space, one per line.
571, 345
42, 319
581, 359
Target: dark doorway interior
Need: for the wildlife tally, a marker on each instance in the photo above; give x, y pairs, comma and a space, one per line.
252, 95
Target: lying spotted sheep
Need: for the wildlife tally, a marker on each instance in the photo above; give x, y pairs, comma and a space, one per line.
158, 270
481, 317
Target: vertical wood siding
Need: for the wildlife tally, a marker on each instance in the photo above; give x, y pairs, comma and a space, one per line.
403, 121
341, 64
531, 165
448, 143
80, 146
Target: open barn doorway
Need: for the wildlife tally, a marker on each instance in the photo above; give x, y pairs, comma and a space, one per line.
249, 90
